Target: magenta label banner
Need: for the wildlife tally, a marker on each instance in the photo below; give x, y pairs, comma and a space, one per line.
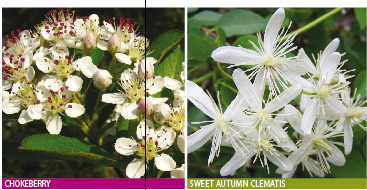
91, 183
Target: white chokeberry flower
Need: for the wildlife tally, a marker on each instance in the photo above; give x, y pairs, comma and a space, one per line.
148, 146
102, 79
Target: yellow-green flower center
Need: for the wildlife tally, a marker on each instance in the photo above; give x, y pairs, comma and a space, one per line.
319, 142
223, 125
265, 144
177, 122
272, 61
150, 146
63, 68
57, 103
354, 113
324, 90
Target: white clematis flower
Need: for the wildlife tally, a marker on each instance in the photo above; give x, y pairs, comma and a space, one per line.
156, 141
227, 124
271, 64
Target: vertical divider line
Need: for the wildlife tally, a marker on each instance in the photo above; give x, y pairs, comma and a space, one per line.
145, 87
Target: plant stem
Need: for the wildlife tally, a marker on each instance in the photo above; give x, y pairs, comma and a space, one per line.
224, 73
159, 174
229, 87
202, 78
308, 93
313, 23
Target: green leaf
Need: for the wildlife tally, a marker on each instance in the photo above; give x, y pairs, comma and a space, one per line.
244, 42
200, 33
199, 48
227, 94
96, 55
192, 10
65, 148
360, 84
298, 15
169, 65
355, 163
161, 45
221, 39
122, 127
207, 18
361, 17
241, 22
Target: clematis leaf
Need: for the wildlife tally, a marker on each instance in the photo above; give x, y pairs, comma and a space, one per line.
198, 48
65, 148
206, 18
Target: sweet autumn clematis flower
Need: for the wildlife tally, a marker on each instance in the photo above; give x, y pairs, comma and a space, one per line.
224, 125
271, 65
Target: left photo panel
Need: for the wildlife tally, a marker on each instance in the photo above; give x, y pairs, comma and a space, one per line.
93, 98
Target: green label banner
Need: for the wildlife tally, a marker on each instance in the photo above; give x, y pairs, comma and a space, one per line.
276, 183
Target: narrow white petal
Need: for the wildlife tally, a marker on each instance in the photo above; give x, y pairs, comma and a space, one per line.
283, 99
329, 68
126, 146
294, 117
136, 168
74, 110
164, 162
233, 55
305, 61
279, 160
201, 100
348, 137
181, 143
200, 137
236, 162
330, 48
272, 30
30, 73
337, 157
309, 116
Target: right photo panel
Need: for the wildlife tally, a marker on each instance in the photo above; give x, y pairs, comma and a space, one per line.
276, 93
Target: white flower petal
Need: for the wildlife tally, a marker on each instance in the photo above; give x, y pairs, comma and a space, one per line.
123, 58
86, 66
140, 131
305, 61
234, 55
294, 118
74, 83
165, 136
272, 30
130, 110
103, 45
136, 168
155, 85
24, 117
35, 111
45, 64
201, 100
53, 124
113, 98
74, 110
309, 116
126, 146
11, 107
279, 160
156, 101
164, 162
30, 73
283, 99
330, 49
337, 157
236, 162
200, 137
181, 143
172, 84
178, 172
329, 68
6, 84
348, 137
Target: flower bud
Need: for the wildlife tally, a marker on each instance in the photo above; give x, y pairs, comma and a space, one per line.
145, 105
149, 70
162, 113
5, 95
90, 41
114, 43
102, 79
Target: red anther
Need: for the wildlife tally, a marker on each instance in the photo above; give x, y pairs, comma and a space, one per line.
22, 59
62, 89
49, 100
67, 57
51, 91
70, 106
38, 102
6, 77
19, 67
16, 62
48, 31
150, 138
47, 27
55, 62
20, 55
156, 143
150, 150
144, 137
52, 107
117, 25
66, 87
69, 61
16, 69
55, 11
143, 146
63, 96
121, 18
178, 73
61, 104
135, 23
57, 93
109, 21
62, 24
